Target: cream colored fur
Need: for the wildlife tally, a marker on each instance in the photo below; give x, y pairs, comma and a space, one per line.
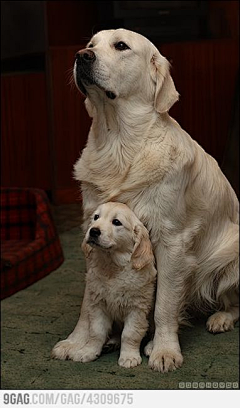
138, 155
120, 285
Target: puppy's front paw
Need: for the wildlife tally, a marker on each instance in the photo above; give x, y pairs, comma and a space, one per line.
165, 360
112, 344
148, 348
129, 360
220, 322
87, 354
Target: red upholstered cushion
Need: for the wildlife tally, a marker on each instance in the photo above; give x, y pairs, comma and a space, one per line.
18, 214
30, 245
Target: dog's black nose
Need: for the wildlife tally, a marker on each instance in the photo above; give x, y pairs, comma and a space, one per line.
85, 55
94, 232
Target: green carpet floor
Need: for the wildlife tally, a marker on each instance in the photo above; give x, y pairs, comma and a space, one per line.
34, 319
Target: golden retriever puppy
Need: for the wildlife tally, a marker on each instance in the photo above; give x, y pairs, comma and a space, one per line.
120, 284
138, 155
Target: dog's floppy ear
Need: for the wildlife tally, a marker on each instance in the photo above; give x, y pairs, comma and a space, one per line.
165, 92
142, 252
86, 248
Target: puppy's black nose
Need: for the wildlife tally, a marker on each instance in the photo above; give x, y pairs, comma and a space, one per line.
85, 55
94, 232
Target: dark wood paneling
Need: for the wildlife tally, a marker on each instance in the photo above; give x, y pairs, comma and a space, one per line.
69, 22
25, 145
205, 75
71, 122
67, 195
224, 18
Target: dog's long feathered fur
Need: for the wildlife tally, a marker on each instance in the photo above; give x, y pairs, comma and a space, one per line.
137, 154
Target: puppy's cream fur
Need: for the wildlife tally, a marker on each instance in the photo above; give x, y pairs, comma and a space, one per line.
119, 284
138, 155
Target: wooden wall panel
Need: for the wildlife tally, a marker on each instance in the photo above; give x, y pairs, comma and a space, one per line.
224, 18
69, 22
205, 75
71, 122
24, 128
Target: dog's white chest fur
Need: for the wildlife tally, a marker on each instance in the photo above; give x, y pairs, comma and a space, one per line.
117, 290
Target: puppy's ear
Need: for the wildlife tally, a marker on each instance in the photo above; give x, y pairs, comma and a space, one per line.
165, 92
142, 252
86, 248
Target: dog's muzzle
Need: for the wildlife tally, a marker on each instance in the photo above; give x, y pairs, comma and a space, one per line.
84, 68
94, 234
85, 56
84, 71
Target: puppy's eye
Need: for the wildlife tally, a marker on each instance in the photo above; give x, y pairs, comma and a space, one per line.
96, 216
116, 222
121, 46
90, 45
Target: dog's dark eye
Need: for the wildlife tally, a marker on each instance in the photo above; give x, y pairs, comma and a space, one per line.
116, 222
96, 216
121, 46
90, 45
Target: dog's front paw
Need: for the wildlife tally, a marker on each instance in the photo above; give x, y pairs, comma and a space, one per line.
61, 350
129, 360
67, 350
220, 322
165, 360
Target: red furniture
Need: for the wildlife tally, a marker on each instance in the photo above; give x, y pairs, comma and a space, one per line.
30, 247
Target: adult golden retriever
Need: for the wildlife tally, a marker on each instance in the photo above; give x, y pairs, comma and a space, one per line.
138, 155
